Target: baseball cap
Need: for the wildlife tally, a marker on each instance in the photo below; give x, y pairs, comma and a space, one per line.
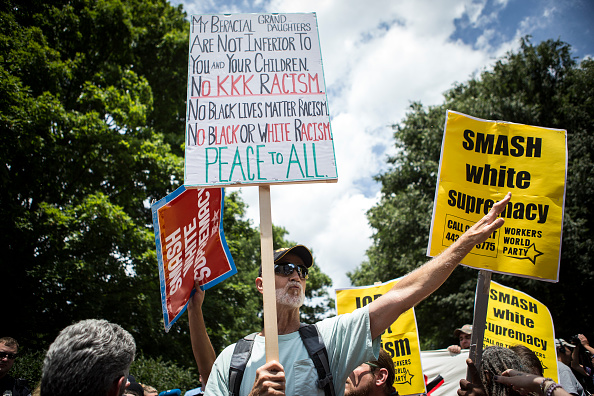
298, 250
466, 329
562, 342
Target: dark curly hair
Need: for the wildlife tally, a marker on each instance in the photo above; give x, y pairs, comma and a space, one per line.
496, 360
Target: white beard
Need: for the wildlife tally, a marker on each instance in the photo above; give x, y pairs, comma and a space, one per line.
284, 297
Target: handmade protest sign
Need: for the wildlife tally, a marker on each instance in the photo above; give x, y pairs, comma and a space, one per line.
481, 161
401, 340
515, 318
257, 111
190, 245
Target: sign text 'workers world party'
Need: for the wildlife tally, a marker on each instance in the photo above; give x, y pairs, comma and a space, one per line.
400, 340
257, 111
191, 246
481, 161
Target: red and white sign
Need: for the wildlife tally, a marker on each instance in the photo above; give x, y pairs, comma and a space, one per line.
190, 246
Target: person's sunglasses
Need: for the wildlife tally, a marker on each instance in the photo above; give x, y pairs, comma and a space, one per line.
9, 355
288, 268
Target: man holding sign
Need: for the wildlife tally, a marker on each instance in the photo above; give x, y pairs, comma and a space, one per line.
349, 339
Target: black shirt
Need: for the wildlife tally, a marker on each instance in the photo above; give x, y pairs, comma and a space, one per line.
17, 387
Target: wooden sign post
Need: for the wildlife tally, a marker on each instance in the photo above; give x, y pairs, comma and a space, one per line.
481, 300
257, 114
269, 298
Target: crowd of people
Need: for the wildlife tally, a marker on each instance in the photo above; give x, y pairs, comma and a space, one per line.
94, 356
336, 356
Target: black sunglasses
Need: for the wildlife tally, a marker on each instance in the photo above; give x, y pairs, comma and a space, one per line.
9, 355
287, 269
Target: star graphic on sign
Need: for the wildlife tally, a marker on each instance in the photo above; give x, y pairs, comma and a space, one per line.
215, 216
408, 376
531, 254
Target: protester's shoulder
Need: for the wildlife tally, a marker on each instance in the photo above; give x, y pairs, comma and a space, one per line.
354, 315
566, 376
357, 315
217, 381
226, 354
563, 368
344, 321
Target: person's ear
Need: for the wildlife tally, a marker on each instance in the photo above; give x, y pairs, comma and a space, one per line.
117, 386
381, 376
260, 284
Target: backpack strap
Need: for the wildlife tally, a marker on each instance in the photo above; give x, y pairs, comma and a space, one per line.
314, 344
317, 352
241, 355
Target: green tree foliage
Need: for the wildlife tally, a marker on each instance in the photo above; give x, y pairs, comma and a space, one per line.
92, 108
28, 366
538, 85
163, 375
80, 165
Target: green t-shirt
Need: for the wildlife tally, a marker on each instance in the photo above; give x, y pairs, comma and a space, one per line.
348, 341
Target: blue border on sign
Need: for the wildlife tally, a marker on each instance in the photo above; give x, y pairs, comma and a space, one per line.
155, 208
162, 285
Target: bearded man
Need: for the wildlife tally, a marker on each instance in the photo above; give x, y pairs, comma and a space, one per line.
373, 378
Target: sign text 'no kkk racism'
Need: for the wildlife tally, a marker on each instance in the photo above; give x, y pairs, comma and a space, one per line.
257, 111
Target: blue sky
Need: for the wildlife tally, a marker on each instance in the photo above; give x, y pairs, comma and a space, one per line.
570, 20
379, 56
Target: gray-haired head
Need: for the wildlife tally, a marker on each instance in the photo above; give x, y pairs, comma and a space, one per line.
496, 360
87, 358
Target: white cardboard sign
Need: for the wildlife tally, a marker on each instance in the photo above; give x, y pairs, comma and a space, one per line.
257, 111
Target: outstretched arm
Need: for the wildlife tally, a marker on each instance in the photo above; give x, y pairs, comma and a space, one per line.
525, 383
203, 351
423, 281
585, 343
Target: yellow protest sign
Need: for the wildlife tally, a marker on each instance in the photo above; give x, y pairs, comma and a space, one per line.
515, 318
481, 161
400, 340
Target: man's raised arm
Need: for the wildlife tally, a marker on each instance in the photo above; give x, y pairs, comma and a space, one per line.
419, 284
201, 346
